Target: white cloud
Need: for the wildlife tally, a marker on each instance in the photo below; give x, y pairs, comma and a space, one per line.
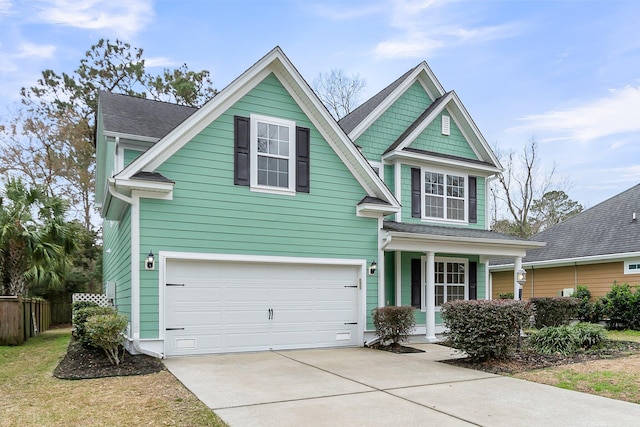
5, 7
159, 61
28, 50
124, 17
616, 114
424, 30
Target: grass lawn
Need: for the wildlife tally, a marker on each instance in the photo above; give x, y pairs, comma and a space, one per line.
614, 378
31, 396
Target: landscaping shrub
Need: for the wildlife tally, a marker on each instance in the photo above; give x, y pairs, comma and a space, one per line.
622, 307
588, 311
105, 331
554, 311
566, 339
485, 329
393, 324
81, 316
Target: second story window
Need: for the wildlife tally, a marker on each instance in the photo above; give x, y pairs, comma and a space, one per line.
444, 196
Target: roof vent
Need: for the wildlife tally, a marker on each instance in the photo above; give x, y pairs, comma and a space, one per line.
446, 125
633, 217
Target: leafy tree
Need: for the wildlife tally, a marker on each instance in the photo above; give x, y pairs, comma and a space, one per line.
51, 141
552, 208
34, 239
339, 92
526, 196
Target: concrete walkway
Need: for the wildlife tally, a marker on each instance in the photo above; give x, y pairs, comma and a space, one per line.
365, 387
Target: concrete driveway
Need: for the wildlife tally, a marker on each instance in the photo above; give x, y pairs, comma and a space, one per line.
365, 387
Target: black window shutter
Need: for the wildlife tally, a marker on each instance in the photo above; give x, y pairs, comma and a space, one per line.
302, 159
416, 193
473, 280
416, 282
242, 143
473, 200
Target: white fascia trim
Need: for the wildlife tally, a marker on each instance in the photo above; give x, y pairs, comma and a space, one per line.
475, 130
393, 97
418, 159
140, 185
374, 210
490, 247
164, 256
593, 259
477, 139
349, 154
131, 136
426, 122
194, 124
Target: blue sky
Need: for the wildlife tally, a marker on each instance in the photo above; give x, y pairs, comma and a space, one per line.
566, 73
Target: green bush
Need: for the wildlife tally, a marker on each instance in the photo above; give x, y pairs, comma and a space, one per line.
506, 295
588, 311
566, 339
393, 324
485, 329
81, 316
554, 311
622, 307
105, 331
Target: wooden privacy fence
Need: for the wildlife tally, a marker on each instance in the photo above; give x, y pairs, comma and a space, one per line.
22, 318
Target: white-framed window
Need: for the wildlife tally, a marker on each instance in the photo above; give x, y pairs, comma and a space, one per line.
273, 148
451, 280
444, 196
377, 166
632, 266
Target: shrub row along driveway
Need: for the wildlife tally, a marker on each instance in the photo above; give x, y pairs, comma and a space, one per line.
358, 386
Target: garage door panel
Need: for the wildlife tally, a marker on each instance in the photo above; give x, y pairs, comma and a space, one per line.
244, 306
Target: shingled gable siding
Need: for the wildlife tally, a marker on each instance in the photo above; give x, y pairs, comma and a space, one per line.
117, 259
209, 214
384, 132
406, 202
431, 139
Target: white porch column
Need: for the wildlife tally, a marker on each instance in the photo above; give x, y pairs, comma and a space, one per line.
517, 265
430, 303
398, 271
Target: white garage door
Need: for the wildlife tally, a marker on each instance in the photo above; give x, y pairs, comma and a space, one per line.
217, 307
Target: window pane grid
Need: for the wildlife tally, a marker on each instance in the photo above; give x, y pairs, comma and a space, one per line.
273, 155
450, 281
445, 196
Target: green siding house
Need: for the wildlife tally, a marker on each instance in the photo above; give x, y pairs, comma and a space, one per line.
258, 222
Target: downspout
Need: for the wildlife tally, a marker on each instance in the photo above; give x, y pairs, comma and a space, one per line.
135, 342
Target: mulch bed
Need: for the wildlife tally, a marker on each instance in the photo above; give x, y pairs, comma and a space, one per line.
524, 360
396, 348
84, 363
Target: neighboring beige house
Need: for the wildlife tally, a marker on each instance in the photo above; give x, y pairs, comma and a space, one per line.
596, 248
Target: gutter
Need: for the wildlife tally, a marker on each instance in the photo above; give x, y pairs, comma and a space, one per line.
135, 342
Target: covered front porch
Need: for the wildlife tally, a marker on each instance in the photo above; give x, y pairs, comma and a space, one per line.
426, 266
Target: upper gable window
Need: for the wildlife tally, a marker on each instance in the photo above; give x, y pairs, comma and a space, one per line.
272, 148
271, 155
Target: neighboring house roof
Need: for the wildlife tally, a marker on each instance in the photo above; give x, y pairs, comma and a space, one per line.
130, 115
605, 230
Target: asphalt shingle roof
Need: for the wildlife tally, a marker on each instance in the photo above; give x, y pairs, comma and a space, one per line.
606, 228
138, 116
353, 119
151, 176
436, 230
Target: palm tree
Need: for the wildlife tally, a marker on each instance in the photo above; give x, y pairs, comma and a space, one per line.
35, 240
